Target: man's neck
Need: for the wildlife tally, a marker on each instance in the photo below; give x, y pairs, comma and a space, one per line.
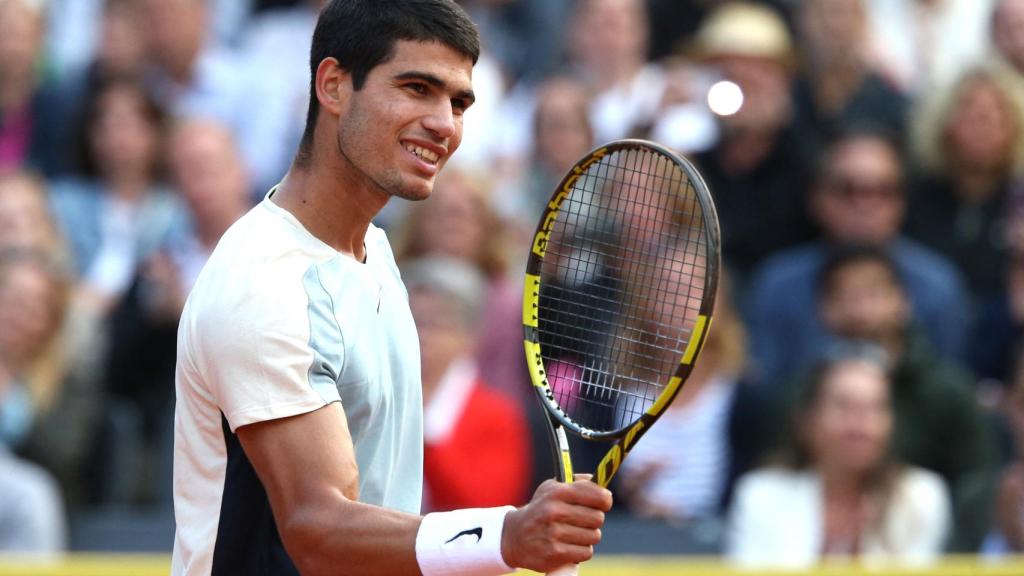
332, 204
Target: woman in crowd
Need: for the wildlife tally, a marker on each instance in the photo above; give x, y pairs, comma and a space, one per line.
970, 149
33, 297
681, 468
459, 222
51, 410
836, 491
25, 220
120, 213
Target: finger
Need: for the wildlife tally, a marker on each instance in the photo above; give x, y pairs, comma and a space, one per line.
587, 494
572, 515
578, 536
564, 555
577, 554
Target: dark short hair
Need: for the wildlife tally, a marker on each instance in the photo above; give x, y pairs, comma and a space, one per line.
855, 130
840, 257
361, 34
86, 160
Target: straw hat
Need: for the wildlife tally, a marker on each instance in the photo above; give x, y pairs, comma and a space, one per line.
744, 29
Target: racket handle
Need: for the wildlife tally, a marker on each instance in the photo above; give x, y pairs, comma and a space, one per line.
567, 570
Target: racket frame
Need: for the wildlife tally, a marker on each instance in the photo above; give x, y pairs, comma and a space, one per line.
626, 437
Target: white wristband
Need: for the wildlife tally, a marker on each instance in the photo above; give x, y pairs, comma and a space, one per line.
462, 543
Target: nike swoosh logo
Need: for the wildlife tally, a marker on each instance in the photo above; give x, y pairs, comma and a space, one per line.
478, 532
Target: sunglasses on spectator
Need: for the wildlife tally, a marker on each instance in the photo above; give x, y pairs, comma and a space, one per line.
849, 188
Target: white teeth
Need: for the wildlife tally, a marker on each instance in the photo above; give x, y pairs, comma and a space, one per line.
423, 153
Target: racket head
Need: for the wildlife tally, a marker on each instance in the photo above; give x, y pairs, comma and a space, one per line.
620, 288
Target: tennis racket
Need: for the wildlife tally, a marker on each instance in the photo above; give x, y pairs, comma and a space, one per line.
619, 291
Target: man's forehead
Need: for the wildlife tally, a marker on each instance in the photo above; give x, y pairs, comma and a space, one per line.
431, 55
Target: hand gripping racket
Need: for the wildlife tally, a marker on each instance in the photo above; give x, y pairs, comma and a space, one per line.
620, 287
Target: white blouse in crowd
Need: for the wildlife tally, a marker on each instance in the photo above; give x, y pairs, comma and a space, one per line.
777, 519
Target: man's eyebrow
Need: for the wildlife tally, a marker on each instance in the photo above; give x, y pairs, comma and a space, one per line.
435, 82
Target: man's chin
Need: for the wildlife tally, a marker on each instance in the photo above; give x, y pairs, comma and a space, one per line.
414, 193
416, 190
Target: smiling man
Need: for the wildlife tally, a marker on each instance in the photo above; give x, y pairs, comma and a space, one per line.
298, 427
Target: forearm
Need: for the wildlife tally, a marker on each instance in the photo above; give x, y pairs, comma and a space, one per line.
351, 539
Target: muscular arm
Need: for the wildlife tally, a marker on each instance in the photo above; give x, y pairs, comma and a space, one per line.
307, 466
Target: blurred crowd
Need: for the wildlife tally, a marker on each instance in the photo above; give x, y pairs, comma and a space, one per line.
862, 389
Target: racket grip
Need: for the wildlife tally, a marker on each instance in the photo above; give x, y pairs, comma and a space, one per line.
567, 570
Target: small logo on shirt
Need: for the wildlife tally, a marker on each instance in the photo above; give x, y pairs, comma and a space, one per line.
478, 532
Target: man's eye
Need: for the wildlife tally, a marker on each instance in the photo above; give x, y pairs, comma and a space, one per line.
418, 88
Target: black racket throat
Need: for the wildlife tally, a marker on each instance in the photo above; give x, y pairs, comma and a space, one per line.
618, 295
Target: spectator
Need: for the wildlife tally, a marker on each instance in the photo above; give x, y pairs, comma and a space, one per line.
194, 76
837, 490
208, 170
477, 450
75, 36
31, 515
459, 222
516, 33
1008, 33
209, 173
24, 128
561, 134
922, 45
838, 87
608, 42
680, 470
120, 53
606, 53
971, 148
754, 172
857, 198
938, 424
276, 44
118, 215
60, 418
32, 301
25, 221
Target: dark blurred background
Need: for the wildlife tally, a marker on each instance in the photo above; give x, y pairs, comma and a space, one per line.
865, 363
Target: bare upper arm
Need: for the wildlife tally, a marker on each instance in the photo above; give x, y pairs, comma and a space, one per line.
307, 466
304, 460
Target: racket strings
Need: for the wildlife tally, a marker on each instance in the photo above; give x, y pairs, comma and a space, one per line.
622, 283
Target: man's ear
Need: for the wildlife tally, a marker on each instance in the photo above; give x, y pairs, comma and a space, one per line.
333, 86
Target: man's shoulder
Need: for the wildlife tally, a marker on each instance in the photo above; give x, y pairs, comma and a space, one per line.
261, 259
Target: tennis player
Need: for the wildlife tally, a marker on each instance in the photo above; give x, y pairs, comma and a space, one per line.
298, 427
